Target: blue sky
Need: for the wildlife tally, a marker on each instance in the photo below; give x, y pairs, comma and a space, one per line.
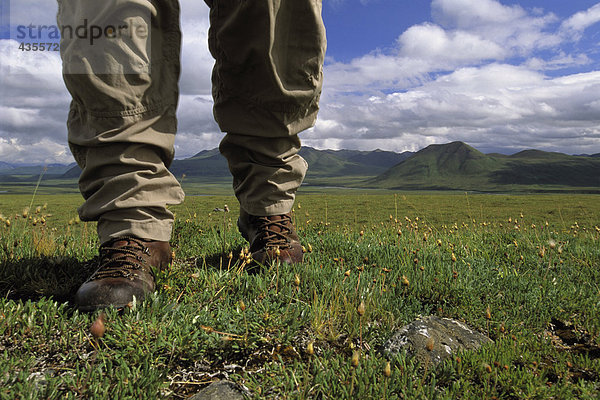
500, 75
356, 27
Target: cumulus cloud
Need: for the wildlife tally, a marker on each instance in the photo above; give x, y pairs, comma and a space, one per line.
495, 106
477, 73
439, 47
500, 77
33, 106
35, 103
582, 20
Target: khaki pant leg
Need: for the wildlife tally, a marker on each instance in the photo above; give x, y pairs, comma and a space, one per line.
122, 120
267, 82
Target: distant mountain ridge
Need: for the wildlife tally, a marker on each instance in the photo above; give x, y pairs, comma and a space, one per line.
458, 166
31, 169
450, 166
322, 163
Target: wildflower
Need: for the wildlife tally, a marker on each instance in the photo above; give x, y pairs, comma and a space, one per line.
453, 257
405, 281
355, 359
296, 280
310, 349
361, 308
242, 305
387, 370
98, 328
488, 313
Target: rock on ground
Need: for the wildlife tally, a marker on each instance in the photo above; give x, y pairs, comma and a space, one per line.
221, 390
432, 339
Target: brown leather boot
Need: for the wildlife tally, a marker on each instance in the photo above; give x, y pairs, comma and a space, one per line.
124, 270
272, 237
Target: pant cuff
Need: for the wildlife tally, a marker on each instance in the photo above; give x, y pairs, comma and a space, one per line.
147, 230
263, 210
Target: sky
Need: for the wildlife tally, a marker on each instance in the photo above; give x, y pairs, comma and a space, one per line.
400, 75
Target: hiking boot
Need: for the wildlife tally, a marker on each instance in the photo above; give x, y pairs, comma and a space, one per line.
271, 238
123, 270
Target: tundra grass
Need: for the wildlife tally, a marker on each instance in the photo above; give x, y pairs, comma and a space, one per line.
523, 270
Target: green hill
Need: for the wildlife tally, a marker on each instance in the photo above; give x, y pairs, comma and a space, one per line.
458, 166
323, 164
451, 166
343, 163
207, 163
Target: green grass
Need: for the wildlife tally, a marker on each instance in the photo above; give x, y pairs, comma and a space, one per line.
531, 260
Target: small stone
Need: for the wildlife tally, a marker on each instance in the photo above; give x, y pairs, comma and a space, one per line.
221, 390
433, 339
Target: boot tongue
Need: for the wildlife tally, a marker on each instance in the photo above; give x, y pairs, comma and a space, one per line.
123, 242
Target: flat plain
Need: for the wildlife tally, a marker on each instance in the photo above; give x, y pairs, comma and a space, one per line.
522, 269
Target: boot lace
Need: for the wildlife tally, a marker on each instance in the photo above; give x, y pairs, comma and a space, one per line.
121, 261
270, 236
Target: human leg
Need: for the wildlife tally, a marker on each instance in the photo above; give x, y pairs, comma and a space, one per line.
121, 129
267, 82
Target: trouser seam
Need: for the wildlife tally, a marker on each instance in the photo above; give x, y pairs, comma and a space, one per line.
151, 108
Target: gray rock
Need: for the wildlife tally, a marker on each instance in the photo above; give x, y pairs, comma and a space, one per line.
432, 339
221, 390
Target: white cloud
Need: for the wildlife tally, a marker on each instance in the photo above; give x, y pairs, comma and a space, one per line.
465, 33
580, 21
439, 47
511, 27
477, 74
480, 71
44, 151
196, 61
497, 105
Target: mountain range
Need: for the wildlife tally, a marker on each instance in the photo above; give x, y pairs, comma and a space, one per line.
457, 165
451, 166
